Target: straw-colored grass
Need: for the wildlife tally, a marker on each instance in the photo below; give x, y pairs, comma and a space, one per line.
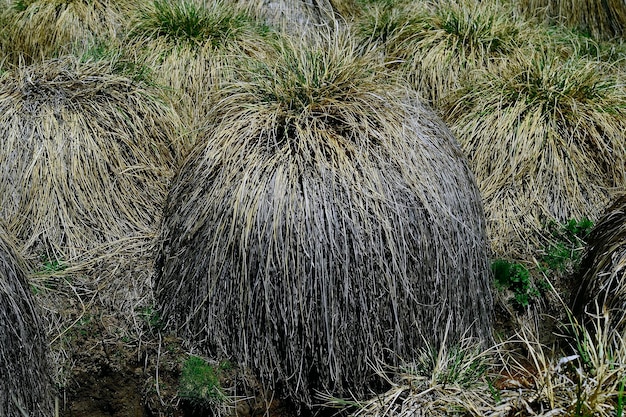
25, 388
41, 29
86, 156
186, 43
602, 283
602, 19
327, 221
584, 376
545, 139
441, 43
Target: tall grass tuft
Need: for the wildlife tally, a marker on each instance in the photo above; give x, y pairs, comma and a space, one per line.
39, 29
326, 222
440, 43
601, 19
25, 387
86, 156
545, 138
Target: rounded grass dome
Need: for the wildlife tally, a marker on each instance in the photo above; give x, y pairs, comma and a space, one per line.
328, 222
86, 156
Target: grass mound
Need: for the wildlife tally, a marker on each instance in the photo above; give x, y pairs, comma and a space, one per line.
545, 138
86, 156
602, 19
39, 29
602, 283
440, 43
327, 222
24, 375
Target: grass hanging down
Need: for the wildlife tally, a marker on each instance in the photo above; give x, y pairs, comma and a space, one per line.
328, 222
86, 156
24, 375
602, 287
601, 19
545, 138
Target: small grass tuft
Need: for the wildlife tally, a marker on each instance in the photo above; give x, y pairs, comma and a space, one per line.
193, 22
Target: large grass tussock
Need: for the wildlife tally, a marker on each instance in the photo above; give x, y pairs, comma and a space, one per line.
24, 374
85, 157
545, 139
327, 222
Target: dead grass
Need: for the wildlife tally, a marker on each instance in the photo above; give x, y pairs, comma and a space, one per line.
25, 387
86, 156
544, 136
325, 213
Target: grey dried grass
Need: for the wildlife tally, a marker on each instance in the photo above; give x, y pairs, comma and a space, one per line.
545, 139
602, 19
41, 29
602, 286
327, 222
297, 17
86, 156
25, 387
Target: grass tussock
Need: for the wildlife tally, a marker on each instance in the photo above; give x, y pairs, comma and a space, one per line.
86, 156
439, 44
213, 23
24, 373
602, 269
544, 136
328, 219
601, 19
40, 29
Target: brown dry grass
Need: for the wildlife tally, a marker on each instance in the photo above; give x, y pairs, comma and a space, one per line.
545, 138
325, 214
86, 156
39, 29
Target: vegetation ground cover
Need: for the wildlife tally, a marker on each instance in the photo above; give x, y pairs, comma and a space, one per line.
533, 91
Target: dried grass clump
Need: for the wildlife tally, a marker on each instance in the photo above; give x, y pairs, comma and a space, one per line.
24, 375
545, 140
328, 221
187, 43
602, 284
86, 156
440, 43
602, 19
40, 29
